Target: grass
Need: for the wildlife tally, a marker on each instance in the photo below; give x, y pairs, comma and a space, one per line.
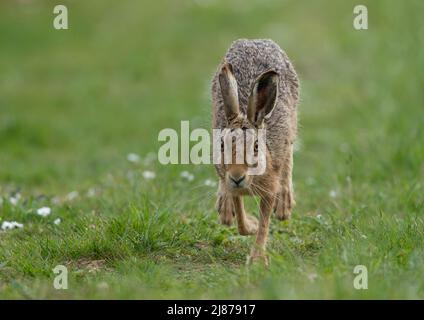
74, 103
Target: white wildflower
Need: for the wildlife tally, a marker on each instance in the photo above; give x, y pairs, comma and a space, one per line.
44, 211
91, 192
210, 183
57, 221
6, 225
56, 200
333, 193
15, 199
184, 174
187, 175
72, 195
149, 175
133, 157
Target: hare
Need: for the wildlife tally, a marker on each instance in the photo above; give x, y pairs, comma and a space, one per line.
256, 87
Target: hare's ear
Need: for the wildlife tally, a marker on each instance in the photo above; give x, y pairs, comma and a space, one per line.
229, 91
262, 98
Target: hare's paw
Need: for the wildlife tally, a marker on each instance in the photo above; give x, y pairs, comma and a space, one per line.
225, 208
284, 204
250, 227
258, 256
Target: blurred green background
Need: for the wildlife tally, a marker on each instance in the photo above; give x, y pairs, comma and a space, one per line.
74, 103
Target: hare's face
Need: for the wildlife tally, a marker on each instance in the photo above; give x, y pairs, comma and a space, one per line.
238, 145
242, 129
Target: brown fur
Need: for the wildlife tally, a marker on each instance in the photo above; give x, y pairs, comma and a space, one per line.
256, 86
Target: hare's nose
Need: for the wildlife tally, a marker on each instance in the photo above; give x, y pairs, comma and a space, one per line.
238, 180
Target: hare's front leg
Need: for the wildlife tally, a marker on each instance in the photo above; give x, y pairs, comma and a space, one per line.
259, 249
285, 198
246, 224
224, 205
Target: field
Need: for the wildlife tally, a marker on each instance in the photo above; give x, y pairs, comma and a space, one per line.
75, 103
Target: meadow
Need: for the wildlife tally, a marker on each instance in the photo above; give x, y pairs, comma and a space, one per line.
80, 111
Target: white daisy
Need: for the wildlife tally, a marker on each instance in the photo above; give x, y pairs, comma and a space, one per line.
15, 199
72, 195
210, 183
57, 221
148, 175
187, 175
56, 200
44, 211
91, 192
6, 225
133, 157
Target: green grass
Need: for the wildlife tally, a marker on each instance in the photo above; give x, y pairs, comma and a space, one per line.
74, 103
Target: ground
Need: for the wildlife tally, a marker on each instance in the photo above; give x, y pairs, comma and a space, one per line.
74, 103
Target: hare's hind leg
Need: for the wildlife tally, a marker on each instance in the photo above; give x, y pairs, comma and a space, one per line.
225, 206
246, 224
285, 197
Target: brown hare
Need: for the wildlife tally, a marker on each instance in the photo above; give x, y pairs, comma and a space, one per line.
256, 87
